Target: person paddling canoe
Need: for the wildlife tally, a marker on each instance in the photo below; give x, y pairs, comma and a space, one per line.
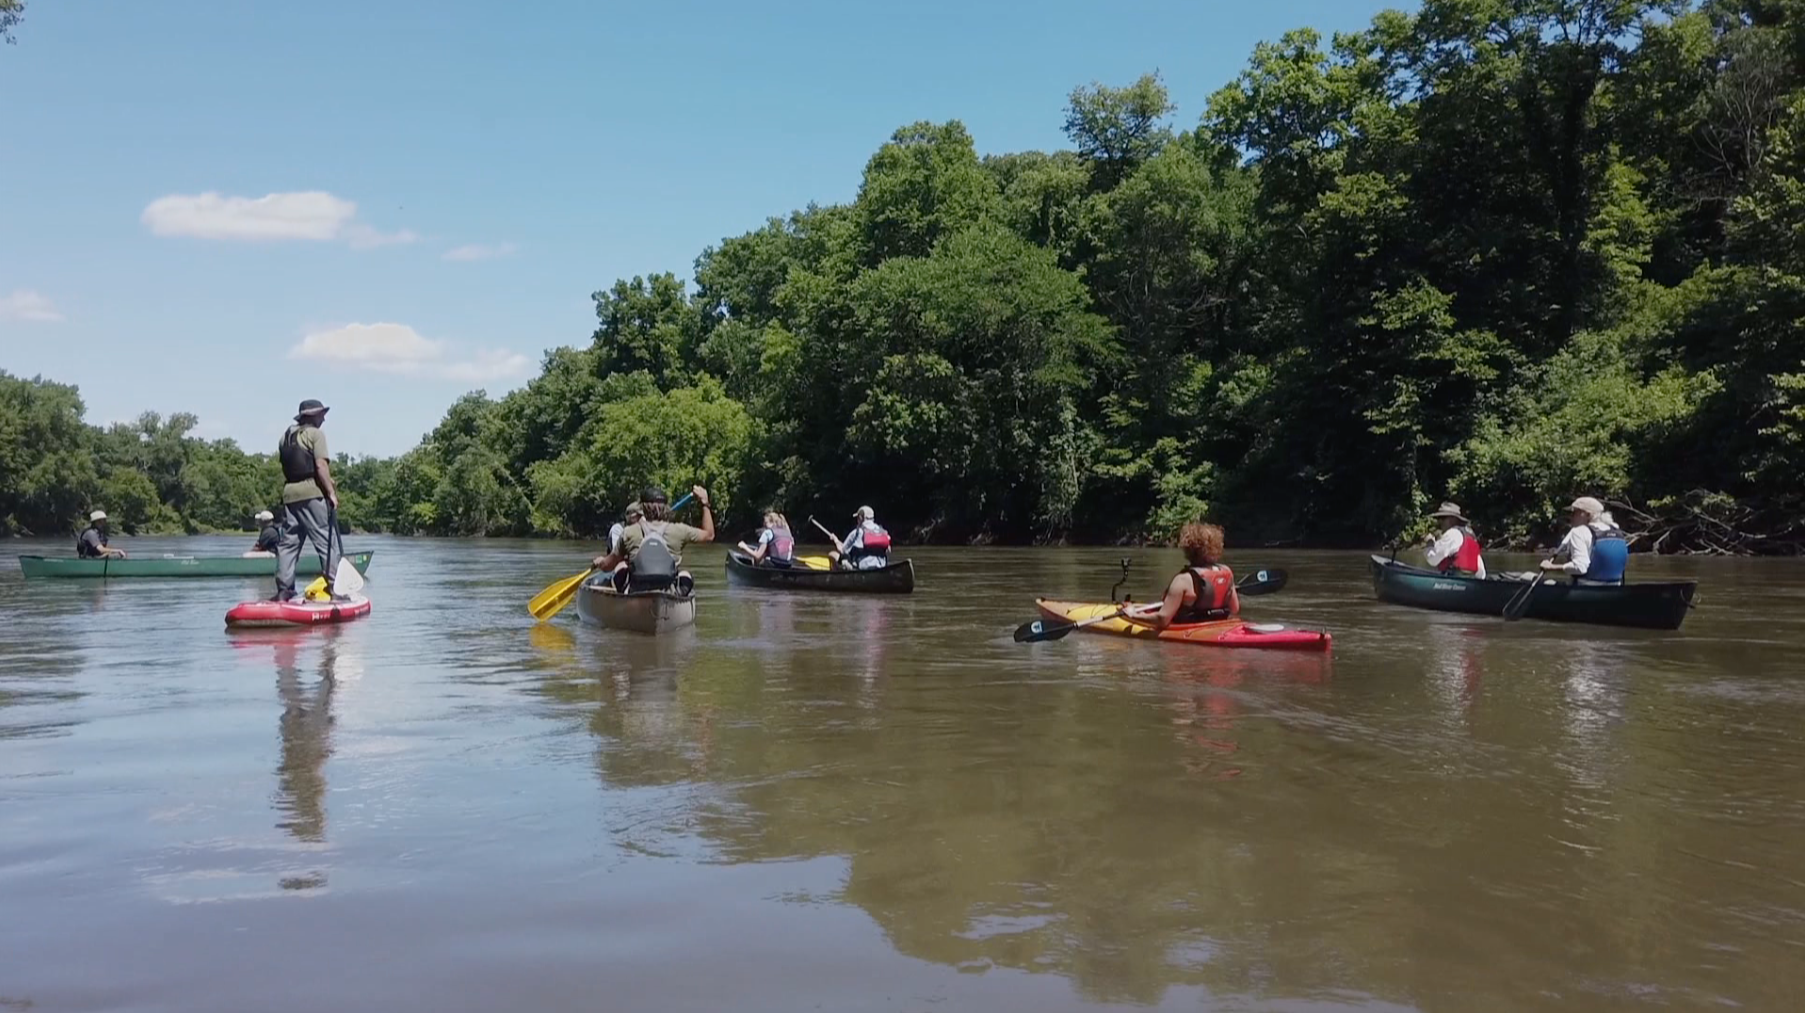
309, 500
650, 555
776, 545
1204, 591
1455, 551
92, 542
866, 547
1595, 551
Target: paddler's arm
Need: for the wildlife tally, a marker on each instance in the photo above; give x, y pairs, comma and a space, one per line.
701, 495
1173, 601
322, 473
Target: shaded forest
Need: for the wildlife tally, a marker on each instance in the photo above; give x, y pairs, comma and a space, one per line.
1500, 251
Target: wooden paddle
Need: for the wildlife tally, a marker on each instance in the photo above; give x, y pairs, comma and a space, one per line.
1262, 582
552, 600
830, 535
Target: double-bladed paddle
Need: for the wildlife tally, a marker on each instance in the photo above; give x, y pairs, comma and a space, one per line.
552, 600
1041, 631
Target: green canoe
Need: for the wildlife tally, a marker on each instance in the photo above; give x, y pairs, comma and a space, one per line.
177, 566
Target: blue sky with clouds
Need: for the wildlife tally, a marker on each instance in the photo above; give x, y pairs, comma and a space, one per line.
224, 207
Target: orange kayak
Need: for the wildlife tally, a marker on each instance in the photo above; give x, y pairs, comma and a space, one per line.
1225, 633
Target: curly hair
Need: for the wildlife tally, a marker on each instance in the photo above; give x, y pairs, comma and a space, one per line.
1202, 544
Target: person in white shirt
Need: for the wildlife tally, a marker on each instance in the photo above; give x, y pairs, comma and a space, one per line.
1455, 551
1595, 551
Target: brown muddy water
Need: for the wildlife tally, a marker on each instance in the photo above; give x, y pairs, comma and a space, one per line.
817, 802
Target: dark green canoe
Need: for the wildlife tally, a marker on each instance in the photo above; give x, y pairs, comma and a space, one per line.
1653, 606
896, 578
177, 566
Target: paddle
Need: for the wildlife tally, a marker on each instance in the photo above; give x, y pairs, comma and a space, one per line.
552, 600
347, 580
1519, 603
830, 535
1263, 582
1039, 631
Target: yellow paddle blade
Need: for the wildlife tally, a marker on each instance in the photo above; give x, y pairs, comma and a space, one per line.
816, 562
552, 600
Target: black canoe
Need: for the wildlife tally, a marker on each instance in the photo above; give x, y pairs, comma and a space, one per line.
1655, 606
897, 578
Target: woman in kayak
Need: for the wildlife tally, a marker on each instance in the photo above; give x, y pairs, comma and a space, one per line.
1204, 591
776, 546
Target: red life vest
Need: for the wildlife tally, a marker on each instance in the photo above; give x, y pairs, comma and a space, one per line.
876, 541
1214, 587
1466, 558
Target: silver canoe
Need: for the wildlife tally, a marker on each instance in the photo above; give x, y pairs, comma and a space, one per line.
639, 611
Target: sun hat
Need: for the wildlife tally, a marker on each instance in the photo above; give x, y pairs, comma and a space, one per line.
1450, 510
98, 515
634, 510
865, 513
1588, 506
264, 515
310, 407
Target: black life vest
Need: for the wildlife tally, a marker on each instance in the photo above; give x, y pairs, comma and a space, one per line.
82, 549
297, 461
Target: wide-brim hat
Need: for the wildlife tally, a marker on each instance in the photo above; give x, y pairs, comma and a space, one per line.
98, 515
310, 407
1450, 510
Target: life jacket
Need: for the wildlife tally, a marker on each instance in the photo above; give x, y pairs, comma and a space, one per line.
1465, 560
297, 461
783, 547
654, 566
1610, 554
81, 543
1214, 586
875, 541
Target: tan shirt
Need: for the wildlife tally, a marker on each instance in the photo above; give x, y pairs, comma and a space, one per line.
676, 535
315, 440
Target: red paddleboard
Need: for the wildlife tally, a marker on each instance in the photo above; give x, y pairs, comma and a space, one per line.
1222, 633
296, 612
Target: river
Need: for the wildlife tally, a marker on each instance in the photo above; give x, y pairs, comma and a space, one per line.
818, 802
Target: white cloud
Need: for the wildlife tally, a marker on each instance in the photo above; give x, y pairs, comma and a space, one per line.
24, 304
479, 251
311, 215
399, 349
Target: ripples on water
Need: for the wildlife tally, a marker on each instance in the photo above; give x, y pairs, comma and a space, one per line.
886, 804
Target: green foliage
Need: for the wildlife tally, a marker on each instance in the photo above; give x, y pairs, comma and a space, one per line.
1508, 251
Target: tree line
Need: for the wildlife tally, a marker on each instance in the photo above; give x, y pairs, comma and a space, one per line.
1500, 251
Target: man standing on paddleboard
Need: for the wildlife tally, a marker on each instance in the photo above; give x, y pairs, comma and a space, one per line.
309, 500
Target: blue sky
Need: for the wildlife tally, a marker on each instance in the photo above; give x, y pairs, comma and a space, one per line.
452, 179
